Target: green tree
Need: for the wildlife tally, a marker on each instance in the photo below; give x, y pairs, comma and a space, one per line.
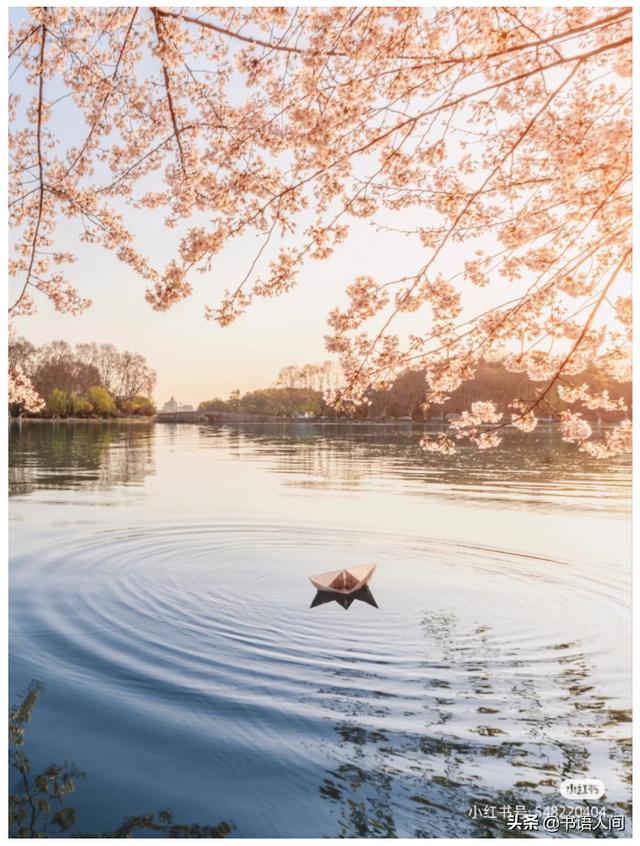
234, 400
143, 406
58, 403
282, 402
79, 406
215, 404
102, 401
138, 406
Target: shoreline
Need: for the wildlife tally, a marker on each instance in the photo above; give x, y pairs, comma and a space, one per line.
258, 419
138, 420
235, 418
342, 421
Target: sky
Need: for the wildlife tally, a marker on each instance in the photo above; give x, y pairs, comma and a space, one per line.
196, 359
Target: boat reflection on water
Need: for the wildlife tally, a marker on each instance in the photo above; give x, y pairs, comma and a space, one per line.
346, 600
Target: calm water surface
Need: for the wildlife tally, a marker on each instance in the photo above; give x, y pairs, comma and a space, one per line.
159, 589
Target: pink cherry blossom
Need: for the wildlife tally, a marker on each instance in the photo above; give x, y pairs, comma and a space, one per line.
498, 140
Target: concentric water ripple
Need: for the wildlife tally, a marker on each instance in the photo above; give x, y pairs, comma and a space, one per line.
159, 589
473, 680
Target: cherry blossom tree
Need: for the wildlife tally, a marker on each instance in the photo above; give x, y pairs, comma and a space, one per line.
502, 134
22, 393
23, 397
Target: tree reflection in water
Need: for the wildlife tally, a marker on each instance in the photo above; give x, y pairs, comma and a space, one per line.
497, 732
347, 457
78, 456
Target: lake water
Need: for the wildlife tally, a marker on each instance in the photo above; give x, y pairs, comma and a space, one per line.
158, 587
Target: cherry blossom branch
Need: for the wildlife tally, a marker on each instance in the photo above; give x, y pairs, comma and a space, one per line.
573, 350
36, 230
453, 116
114, 76
422, 272
167, 85
236, 35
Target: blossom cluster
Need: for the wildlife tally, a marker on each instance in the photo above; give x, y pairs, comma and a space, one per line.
505, 137
21, 391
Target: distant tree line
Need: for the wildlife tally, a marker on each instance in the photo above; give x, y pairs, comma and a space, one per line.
405, 396
325, 376
88, 380
299, 391
274, 402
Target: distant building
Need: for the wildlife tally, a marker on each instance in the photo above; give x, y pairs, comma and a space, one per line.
173, 406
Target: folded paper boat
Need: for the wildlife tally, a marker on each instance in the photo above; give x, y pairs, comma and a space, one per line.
344, 581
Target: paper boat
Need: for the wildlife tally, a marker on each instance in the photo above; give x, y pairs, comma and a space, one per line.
344, 581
